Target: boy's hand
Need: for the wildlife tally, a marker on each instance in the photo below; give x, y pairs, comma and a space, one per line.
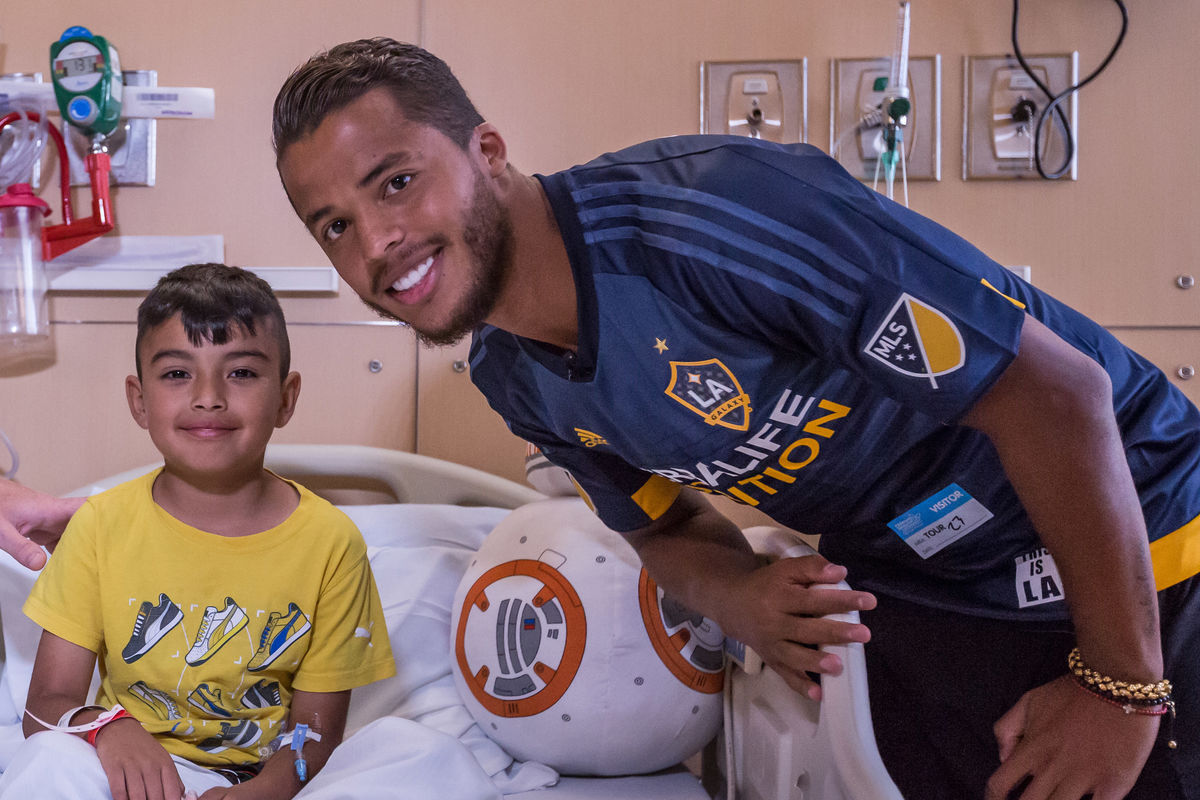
137, 766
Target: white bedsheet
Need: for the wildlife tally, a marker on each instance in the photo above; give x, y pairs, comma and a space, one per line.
389, 759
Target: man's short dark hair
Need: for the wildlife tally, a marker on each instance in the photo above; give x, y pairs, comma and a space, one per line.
213, 301
421, 83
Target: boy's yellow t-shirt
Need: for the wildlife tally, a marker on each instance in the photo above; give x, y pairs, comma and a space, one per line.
204, 637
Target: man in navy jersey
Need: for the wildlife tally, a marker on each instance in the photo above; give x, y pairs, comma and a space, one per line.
1006, 480
744, 318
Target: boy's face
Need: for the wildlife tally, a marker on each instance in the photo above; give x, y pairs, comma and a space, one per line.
211, 409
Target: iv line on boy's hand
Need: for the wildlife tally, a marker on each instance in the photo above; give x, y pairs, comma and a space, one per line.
295, 740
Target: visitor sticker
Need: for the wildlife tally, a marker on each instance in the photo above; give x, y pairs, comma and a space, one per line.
940, 520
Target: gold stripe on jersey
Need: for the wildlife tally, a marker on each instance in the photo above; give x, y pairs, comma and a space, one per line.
1012, 300
656, 496
1176, 556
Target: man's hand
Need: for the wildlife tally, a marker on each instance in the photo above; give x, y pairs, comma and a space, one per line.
137, 766
1070, 745
30, 518
778, 610
703, 561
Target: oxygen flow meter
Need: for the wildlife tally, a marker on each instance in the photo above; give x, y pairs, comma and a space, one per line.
87, 81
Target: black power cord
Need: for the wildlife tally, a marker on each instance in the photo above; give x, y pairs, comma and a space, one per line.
1056, 99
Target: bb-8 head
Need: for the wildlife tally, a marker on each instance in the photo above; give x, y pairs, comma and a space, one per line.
567, 653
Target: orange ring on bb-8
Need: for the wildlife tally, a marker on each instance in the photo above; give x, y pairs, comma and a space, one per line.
552, 617
672, 644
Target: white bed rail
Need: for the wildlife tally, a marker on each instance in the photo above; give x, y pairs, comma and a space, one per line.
408, 476
787, 747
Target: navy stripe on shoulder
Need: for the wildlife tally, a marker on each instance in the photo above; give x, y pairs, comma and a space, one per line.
724, 235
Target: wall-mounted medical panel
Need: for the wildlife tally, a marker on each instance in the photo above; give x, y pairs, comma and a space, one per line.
1002, 102
131, 147
858, 87
760, 99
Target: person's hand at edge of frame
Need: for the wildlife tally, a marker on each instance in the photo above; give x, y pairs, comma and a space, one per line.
31, 520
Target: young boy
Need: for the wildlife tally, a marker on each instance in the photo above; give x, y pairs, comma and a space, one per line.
227, 606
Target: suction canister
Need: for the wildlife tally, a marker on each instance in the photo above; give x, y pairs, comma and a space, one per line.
24, 315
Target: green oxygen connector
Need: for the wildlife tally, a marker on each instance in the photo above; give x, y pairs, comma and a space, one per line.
898, 108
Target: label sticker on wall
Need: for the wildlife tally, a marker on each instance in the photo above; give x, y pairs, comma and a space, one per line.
940, 520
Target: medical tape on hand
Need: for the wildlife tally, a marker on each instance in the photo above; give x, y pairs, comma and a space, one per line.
289, 737
64, 725
298, 736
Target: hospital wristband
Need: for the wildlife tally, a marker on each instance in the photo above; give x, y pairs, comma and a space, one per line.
65, 720
120, 714
64, 726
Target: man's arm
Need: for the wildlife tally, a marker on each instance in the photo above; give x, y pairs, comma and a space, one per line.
1050, 417
702, 560
30, 518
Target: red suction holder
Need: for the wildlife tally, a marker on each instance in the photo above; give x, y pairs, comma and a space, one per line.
58, 239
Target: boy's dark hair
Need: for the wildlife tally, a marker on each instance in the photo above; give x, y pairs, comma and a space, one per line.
211, 300
421, 83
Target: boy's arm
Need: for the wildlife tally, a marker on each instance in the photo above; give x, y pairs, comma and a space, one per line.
322, 712
62, 675
135, 763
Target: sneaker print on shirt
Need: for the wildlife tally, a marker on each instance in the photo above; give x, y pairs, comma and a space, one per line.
152, 624
217, 628
282, 630
263, 694
208, 700
241, 735
161, 702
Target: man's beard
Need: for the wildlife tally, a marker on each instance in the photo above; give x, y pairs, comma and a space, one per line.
487, 233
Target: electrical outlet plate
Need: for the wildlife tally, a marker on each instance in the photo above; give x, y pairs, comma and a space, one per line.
1000, 108
761, 99
131, 147
853, 94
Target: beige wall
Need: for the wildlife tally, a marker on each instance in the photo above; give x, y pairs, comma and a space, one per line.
564, 81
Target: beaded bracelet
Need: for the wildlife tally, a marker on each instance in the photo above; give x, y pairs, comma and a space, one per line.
1140, 694
1148, 699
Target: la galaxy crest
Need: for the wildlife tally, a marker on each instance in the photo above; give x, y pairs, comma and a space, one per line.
711, 390
918, 340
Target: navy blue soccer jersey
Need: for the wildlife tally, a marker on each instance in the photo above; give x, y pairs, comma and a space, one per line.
755, 322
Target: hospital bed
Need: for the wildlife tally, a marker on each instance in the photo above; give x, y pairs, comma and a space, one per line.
423, 520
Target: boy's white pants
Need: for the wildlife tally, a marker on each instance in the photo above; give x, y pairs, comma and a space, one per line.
390, 759
65, 767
